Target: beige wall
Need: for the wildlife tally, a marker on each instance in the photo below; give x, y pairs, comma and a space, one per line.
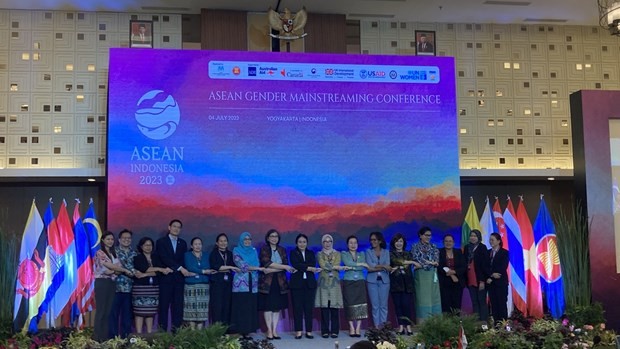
513, 83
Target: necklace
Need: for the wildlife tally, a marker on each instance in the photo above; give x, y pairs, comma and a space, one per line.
198, 257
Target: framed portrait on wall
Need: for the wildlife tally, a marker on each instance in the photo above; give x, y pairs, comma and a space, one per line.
141, 34
425, 43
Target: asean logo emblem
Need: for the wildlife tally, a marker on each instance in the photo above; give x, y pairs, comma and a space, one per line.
549, 259
157, 115
30, 275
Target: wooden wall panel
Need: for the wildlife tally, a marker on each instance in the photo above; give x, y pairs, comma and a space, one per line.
224, 30
327, 33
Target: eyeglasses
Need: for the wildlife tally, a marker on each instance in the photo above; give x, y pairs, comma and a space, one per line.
428, 235
248, 239
327, 241
373, 239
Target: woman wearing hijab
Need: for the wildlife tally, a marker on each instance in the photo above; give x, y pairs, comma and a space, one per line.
477, 273
497, 282
329, 294
303, 285
426, 258
244, 313
378, 279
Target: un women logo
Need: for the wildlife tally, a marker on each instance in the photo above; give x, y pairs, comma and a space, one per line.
157, 114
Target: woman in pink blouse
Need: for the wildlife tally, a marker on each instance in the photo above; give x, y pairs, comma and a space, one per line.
107, 267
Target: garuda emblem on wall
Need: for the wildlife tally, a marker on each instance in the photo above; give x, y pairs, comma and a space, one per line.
291, 27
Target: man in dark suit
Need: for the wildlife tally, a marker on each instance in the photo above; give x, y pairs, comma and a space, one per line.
424, 45
171, 251
141, 38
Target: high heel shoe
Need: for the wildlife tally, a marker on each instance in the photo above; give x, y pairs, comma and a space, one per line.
309, 335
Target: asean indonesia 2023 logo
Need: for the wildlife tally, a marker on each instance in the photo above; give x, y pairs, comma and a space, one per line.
157, 114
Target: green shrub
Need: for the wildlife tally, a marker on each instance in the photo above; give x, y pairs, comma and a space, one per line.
438, 329
592, 314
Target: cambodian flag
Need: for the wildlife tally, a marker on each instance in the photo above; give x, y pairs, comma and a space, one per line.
517, 264
534, 296
549, 261
63, 285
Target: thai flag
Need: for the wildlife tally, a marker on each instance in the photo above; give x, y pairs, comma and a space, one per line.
549, 261
84, 264
517, 264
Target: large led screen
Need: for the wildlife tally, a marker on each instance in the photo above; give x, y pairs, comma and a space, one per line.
311, 143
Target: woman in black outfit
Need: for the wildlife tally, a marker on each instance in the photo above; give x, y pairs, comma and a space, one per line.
221, 260
497, 283
303, 285
477, 273
451, 274
401, 283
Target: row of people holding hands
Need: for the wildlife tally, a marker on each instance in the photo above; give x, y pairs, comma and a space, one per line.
187, 284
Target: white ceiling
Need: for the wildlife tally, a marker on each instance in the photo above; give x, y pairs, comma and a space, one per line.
569, 12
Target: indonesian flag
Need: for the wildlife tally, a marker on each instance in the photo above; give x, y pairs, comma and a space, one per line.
462, 338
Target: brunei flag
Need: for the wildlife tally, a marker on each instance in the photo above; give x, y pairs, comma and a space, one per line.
471, 222
29, 290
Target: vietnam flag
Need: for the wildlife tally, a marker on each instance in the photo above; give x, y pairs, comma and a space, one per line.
532, 283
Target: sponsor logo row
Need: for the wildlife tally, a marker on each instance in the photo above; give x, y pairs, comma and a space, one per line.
224, 70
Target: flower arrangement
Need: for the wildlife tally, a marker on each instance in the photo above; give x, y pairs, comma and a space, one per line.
211, 337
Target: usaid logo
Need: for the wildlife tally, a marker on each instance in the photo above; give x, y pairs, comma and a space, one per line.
157, 114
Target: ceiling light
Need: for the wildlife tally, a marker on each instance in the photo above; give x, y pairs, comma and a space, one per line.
609, 15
